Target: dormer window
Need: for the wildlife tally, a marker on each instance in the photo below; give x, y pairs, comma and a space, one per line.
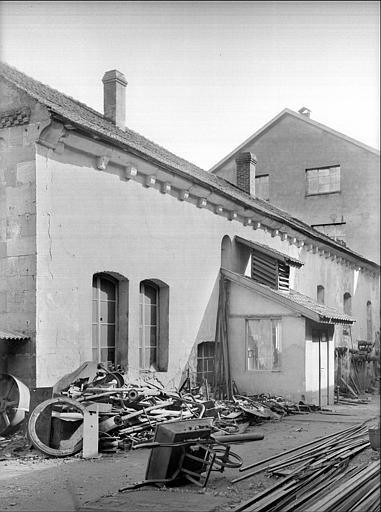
270, 271
269, 266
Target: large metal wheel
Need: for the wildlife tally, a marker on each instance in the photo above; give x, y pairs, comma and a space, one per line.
67, 447
14, 403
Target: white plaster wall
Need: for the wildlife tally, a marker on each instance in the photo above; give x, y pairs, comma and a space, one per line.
289, 382
91, 221
338, 279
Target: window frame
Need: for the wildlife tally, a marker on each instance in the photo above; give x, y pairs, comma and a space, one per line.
97, 278
320, 294
272, 319
143, 365
206, 361
318, 169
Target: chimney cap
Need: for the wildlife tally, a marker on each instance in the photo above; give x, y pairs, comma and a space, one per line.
246, 156
114, 76
305, 111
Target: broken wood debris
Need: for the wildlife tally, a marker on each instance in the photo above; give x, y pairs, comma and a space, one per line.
317, 477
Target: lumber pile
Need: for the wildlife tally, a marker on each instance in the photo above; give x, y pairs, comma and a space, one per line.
317, 477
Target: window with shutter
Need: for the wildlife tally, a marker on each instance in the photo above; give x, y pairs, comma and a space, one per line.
270, 271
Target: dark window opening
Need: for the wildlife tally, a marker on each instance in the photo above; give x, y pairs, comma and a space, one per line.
320, 294
347, 300
369, 321
205, 362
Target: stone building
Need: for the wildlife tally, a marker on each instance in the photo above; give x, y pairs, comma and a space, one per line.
329, 180
115, 250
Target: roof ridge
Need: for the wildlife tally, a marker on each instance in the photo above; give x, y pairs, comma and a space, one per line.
90, 109
87, 119
84, 105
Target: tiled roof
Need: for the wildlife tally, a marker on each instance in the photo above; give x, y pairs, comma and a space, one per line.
326, 313
88, 119
270, 251
305, 305
12, 336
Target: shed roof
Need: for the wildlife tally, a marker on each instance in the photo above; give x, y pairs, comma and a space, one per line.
89, 120
270, 251
303, 304
12, 336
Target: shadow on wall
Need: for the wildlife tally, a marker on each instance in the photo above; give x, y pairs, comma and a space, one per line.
206, 332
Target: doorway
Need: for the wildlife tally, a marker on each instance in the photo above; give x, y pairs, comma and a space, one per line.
320, 336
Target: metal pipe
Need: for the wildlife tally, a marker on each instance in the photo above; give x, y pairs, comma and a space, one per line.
237, 438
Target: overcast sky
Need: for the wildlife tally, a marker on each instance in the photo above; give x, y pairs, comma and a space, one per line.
204, 76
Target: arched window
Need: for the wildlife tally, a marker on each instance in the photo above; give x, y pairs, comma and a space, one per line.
153, 325
320, 294
369, 321
104, 318
347, 303
226, 253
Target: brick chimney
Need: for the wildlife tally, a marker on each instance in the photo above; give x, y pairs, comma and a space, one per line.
245, 164
114, 97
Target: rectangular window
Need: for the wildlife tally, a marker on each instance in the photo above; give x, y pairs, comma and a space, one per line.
149, 316
263, 344
262, 189
205, 362
323, 180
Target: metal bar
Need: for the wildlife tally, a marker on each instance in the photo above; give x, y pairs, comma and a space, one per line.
319, 441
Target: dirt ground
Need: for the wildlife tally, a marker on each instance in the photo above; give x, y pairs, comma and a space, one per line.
36, 483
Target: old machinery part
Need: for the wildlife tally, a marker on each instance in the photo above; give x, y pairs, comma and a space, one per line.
68, 446
14, 403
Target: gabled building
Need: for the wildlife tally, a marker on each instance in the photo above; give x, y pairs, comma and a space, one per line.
317, 174
115, 250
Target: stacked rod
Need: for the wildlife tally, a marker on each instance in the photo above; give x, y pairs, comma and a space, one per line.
318, 477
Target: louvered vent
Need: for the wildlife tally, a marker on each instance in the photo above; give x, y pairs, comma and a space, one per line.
270, 271
264, 269
283, 276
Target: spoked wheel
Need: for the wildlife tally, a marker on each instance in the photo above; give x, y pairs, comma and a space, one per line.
226, 459
14, 403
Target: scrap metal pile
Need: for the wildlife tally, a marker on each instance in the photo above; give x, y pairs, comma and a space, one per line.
128, 411
317, 476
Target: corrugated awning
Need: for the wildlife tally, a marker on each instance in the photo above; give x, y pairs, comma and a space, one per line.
12, 336
269, 251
